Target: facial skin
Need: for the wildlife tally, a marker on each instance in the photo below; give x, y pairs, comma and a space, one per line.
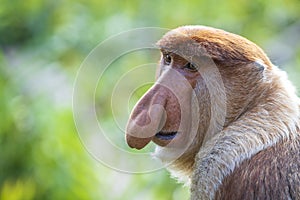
159, 113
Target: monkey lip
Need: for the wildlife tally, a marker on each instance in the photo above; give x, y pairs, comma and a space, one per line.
163, 138
166, 135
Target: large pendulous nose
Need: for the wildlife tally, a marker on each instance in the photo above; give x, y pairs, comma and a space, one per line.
147, 117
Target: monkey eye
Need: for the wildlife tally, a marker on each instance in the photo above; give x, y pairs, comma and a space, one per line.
189, 66
167, 59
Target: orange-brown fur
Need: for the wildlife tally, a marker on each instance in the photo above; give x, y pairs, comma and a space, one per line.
236, 157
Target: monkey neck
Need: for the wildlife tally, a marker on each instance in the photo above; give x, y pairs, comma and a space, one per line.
273, 119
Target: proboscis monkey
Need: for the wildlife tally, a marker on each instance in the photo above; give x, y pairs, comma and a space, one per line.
224, 118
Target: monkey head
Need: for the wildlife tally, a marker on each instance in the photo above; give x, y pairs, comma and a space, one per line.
206, 79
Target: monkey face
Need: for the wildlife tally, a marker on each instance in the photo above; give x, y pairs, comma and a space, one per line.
177, 106
165, 113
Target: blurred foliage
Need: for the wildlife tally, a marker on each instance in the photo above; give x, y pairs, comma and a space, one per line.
42, 45
39, 150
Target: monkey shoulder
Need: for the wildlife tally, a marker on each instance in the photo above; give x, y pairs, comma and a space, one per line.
273, 173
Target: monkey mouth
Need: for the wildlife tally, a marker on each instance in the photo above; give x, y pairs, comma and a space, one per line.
163, 138
166, 135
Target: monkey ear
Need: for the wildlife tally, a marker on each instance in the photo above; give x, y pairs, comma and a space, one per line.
260, 65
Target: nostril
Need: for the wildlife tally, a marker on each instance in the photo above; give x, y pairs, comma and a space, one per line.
142, 119
158, 116
147, 122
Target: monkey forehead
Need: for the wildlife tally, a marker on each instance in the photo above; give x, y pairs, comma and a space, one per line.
223, 47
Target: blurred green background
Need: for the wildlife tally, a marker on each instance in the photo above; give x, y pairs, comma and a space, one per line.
42, 44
